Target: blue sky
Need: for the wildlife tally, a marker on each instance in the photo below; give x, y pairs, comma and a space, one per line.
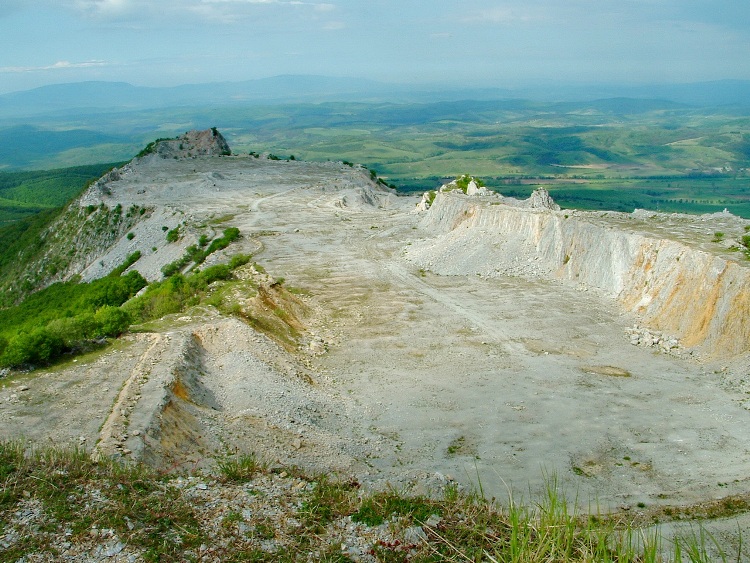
502, 43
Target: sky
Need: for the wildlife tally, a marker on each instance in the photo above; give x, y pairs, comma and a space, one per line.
513, 43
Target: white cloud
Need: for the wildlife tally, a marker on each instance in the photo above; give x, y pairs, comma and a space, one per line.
108, 8
59, 65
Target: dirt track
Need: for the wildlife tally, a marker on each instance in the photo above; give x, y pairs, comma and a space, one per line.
426, 378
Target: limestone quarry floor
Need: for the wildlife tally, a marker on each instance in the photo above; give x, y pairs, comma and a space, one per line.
499, 383
502, 380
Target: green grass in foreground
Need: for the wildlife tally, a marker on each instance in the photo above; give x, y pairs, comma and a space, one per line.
53, 498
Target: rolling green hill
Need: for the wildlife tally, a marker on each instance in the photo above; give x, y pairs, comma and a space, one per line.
23, 194
615, 153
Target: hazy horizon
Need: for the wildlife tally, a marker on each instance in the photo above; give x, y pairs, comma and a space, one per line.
511, 44
417, 86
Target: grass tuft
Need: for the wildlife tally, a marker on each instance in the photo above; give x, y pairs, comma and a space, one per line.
241, 469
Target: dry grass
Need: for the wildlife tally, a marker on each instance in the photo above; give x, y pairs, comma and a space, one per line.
51, 499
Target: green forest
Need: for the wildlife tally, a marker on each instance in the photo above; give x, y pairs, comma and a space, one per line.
26, 193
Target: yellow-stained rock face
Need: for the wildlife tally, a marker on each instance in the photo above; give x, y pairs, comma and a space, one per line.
675, 287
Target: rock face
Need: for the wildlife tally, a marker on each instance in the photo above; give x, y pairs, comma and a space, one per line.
193, 143
475, 189
540, 199
425, 202
702, 299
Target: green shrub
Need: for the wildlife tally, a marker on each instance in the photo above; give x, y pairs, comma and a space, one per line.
62, 316
230, 235
111, 321
171, 269
113, 291
211, 274
194, 254
129, 261
463, 181
179, 291
161, 298
39, 346
74, 329
130, 235
239, 260
68, 299
173, 235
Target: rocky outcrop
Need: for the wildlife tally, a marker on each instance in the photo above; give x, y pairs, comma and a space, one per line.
426, 201
463, 184
193, 143
80, 241
475, 189
540, 199
702, 299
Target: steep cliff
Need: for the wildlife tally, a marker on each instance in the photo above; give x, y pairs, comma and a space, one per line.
700, 297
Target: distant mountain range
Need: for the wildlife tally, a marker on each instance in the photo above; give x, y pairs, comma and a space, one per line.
94, 97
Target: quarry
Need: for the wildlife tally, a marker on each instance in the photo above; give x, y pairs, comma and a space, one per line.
471, 339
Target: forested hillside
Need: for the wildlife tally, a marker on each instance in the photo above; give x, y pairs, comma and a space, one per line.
24, 194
